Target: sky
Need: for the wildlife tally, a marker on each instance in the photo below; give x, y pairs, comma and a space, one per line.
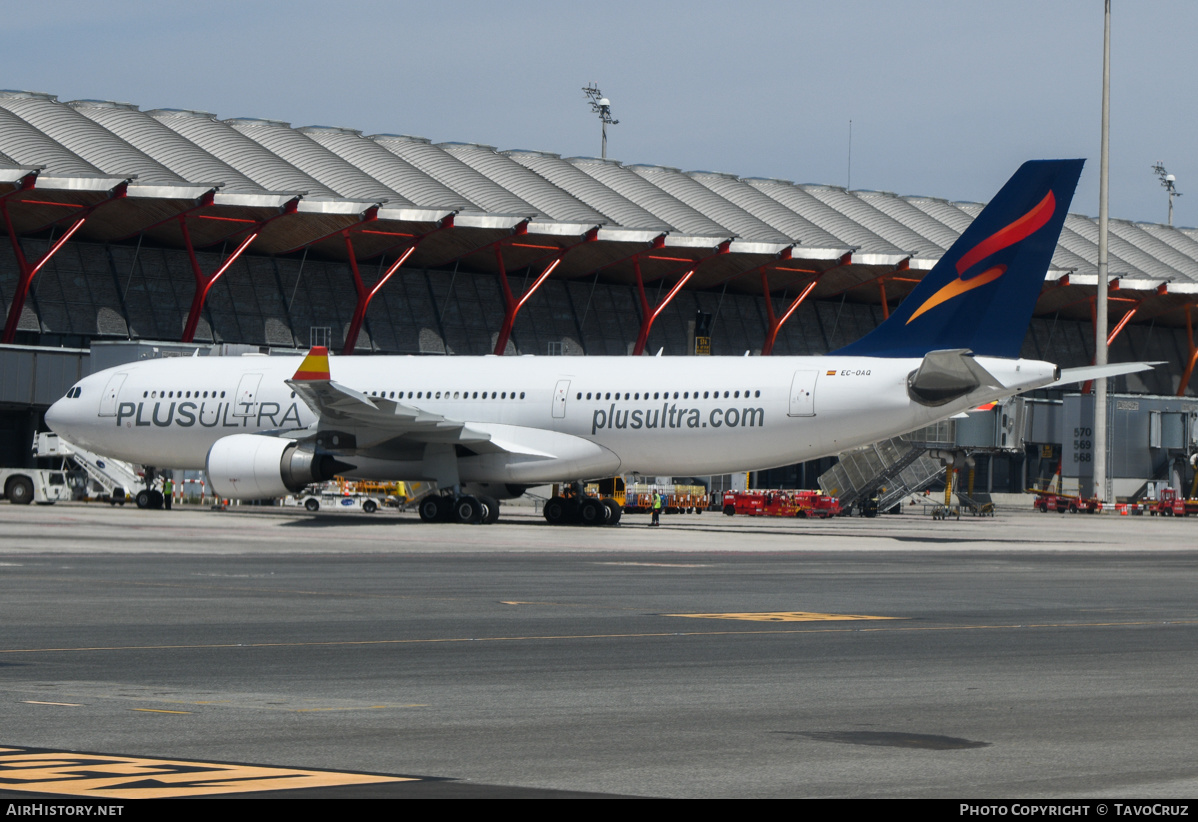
946, 98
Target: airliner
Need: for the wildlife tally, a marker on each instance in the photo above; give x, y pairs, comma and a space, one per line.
486, 428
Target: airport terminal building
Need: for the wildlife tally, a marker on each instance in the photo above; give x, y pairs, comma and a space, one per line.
176, 230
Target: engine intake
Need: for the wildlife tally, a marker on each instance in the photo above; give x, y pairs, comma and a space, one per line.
251, 466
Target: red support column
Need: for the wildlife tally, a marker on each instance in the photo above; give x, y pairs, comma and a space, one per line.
647, 315
776, 325
1088, 387
364, 296
771, 335
204, 283
27, 271
1193, 358
511, 305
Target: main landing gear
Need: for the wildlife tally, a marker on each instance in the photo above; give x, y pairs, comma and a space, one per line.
149, 497
576, 506
463, 509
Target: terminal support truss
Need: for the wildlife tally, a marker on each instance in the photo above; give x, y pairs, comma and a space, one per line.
204, 282
365, 295
512, 306
29, 270
648, 314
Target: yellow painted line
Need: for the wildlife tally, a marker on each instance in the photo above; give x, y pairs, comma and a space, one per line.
363, 708
785, 616
158, 711
659, 564
63, 704
127, 777
646, 635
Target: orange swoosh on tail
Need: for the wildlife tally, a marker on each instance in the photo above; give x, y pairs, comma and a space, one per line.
958, 287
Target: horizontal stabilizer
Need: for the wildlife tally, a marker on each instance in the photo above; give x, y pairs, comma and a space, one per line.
1094, 372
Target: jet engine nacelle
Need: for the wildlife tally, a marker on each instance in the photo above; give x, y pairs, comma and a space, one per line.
251, 466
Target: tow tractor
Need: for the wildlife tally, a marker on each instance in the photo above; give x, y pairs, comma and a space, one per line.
1048, 501
779, 504
1171, 504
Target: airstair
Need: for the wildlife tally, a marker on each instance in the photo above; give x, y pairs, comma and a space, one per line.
888, 470
113, 478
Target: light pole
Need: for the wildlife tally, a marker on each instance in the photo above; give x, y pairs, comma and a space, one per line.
1100, 318
601, 106
1169, 182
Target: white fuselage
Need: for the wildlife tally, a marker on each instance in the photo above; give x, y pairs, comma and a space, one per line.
677, 416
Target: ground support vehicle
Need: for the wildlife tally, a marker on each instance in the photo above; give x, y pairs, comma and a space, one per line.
675, 499
109, 480
1047, 501
802, 504
333, 500
816, 504
41, 485
1171, 504
758, 504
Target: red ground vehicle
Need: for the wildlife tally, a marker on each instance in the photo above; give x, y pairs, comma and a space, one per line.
1046, 502
779, 504
815, 504
1171, 504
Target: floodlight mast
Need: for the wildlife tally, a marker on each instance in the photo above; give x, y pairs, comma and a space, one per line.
601, 106
1169, 182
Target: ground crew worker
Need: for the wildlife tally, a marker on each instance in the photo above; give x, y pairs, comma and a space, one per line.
656, 508
168, 491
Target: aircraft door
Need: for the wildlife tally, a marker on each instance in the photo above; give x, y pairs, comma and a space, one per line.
802, 394
247, 395
111, 393
559, 399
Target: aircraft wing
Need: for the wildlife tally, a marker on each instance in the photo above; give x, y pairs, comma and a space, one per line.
352, 422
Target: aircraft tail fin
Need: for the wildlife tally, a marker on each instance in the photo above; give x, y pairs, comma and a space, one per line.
981, 293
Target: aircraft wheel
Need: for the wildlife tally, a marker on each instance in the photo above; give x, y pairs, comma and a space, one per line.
156, 500
555, 511
432, 508
143, 499
490, 510
312, 504
19, 491
614, 510
729, 510
370, 506
594, 512
467, 510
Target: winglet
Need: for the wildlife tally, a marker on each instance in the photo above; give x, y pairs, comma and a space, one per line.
315, 366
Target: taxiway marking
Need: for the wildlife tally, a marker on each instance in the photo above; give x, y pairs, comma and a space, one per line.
134, 777
785, 616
